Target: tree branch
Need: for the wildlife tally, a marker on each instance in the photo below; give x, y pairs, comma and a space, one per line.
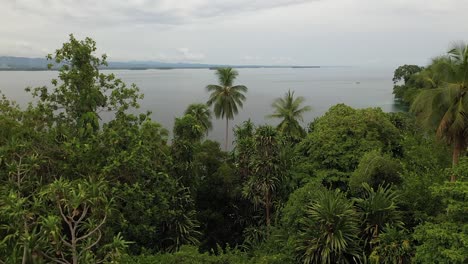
68, 223
83, 214
65, 242
54, 259
94, 230
93, 244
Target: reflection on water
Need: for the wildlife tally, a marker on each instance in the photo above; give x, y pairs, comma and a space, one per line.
168, 92
399, 106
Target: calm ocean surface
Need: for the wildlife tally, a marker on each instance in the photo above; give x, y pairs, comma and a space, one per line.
168, 92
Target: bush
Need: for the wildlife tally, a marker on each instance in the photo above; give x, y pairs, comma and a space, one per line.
375, 169
189, 255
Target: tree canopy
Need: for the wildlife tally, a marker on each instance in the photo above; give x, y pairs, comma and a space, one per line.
86, 178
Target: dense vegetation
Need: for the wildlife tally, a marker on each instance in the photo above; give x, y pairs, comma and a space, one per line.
356, 186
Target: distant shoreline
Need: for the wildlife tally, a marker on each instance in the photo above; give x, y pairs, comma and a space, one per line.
170, 68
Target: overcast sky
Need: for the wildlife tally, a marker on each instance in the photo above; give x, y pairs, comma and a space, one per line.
300, 32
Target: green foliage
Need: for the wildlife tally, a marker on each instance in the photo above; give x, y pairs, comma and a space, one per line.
80, 186
226, 97
424, 160
202, 114
392, 246
441, 243
375, 169
83, 91
277, 248
189, 255
290, 111
343, 135
461, 169
188, 128
295, 208
84, 206
409, 74
330, 231
378, 209
146, 209
267, 170
444, 239
405, 72
187, 136
218, 198
244, 148
445, 106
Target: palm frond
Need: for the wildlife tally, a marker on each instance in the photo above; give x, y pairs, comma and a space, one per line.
288, 109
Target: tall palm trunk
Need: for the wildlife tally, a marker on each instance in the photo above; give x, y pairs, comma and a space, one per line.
457, 149
267, 207
227, 129
25, 246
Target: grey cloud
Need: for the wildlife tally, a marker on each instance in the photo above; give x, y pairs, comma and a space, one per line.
239, 31
167, 12
180, 55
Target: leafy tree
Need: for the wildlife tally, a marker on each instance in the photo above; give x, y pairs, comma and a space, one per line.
61, 138
290, 111
226, 97
202, 114
375, 169
392, 246
444, 239
181, 227
413, 80
188, 128
23, 160
83, 92
330, 231
342, 136
187, 136
220, 205
405, 72
445, 107
84, 207
295, 208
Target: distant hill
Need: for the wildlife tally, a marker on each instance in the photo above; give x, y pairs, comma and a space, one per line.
7, 63
31, 64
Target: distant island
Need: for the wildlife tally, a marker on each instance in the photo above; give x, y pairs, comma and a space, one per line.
10, 63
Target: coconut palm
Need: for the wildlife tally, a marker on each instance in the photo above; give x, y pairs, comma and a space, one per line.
446, 107
202, 114
289, 110
226, 97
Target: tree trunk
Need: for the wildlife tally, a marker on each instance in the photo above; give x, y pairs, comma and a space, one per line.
227, 129
457, 149
73, 243
25, 247
267, 207
74, 252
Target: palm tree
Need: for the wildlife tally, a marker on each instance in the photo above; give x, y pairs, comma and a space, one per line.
289, 110
266, 169
446, 107
202, 114
377, 208
330, 232
226, 97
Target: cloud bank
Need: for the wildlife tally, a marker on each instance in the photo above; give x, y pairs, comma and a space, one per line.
305, 32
